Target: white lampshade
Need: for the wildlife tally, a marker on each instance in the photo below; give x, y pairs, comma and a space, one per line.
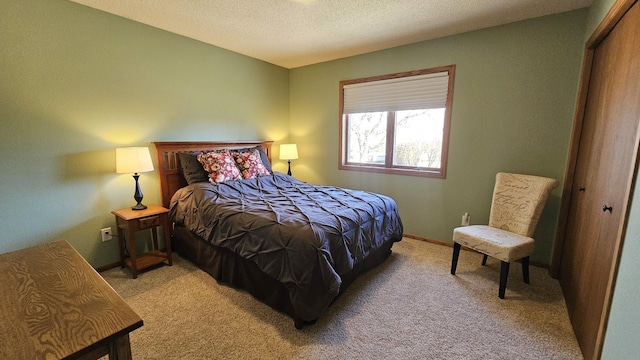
133, 160
288, 151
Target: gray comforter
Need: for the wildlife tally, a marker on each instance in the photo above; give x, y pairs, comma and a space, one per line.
291, 229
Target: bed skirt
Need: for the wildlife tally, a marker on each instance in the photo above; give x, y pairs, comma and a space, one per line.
231, 269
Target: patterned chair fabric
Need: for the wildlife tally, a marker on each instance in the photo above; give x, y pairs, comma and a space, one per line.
518, 201
497, 243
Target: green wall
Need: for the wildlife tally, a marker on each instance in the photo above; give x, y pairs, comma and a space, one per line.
75, 83
513, 103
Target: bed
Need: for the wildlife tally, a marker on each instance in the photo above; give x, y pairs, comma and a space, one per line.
292, 245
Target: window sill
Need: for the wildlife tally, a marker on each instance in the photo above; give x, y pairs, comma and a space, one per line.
430, 173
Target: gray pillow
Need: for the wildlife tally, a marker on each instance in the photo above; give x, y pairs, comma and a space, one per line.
191, 168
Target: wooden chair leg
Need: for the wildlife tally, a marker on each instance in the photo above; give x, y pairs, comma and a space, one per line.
525, 269
484, 259
454, 260
504, 274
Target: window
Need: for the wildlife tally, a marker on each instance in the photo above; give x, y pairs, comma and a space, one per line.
397, 123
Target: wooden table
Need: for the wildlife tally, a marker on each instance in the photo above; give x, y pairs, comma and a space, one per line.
54, 305
129, 223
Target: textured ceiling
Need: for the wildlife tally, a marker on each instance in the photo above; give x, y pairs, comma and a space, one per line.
293, 33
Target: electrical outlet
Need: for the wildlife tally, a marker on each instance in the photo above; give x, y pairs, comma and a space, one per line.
465, 219
106, 234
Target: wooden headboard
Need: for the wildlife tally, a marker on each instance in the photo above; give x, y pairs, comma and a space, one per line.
171, 178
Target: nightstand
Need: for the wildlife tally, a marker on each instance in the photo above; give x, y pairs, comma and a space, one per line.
129, 223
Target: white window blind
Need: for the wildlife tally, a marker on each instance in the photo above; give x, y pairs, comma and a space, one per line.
427, 91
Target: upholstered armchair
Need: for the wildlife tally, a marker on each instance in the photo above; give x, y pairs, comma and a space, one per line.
516, 206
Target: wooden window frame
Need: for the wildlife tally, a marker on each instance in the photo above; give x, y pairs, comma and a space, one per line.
388, 167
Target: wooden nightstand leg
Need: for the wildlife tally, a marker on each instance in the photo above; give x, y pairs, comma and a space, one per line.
121, 241
132, 254
154, 234
166, 231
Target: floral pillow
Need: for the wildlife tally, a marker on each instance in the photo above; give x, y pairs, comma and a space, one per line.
220, 166
250, 164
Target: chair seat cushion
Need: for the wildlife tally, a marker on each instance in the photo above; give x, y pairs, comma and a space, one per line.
497, 243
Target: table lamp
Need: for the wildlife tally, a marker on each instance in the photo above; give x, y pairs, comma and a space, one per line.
288, 152
134, 160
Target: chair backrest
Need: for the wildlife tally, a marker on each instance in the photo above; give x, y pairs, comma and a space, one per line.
518, 201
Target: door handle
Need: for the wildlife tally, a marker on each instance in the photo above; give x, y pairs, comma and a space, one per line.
581, 188
606, 208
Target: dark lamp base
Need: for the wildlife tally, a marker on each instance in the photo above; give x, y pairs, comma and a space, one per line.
137, 196
139, 207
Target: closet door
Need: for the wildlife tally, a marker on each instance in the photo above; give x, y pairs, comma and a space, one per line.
604, 173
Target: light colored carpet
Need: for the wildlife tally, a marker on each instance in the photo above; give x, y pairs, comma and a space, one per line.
409, 307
